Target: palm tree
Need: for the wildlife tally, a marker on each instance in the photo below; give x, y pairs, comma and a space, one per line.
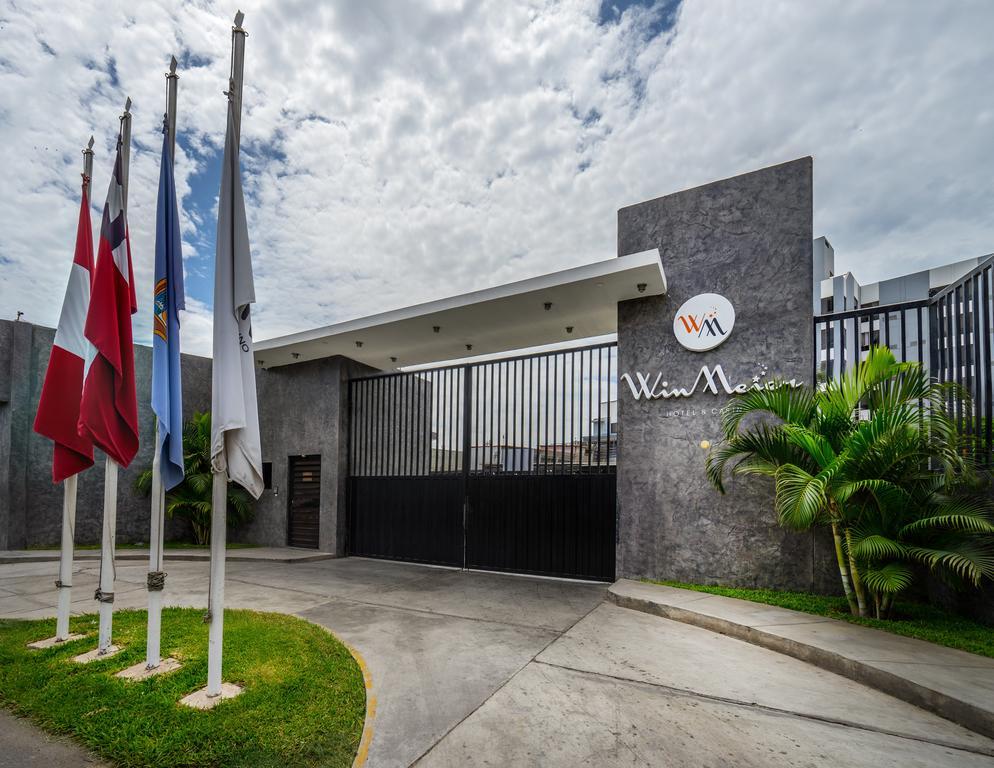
876, 457
191, 499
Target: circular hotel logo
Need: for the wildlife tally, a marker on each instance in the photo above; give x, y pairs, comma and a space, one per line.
704, 322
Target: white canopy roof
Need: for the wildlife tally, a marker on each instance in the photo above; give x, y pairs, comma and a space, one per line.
512, 316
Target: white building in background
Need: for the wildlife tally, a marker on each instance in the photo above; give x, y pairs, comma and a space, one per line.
840, 293
901, 331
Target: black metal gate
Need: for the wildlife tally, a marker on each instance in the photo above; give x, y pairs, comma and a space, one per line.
506, 465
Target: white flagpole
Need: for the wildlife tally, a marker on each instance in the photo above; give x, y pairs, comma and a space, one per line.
69, 496
65, 558
219, 496
156, 576
105, 591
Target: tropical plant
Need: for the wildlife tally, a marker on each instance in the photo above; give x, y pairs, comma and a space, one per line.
191, 499
876, 457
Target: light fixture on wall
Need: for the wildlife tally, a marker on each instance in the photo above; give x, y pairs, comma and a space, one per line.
358, 345
705, 444
569, 329
548, 306
642, 287
393, 359
436, 328
469, 347
295, 355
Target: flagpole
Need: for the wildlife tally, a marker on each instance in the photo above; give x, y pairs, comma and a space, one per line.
219, 494
105, 591
156, 576
69, 486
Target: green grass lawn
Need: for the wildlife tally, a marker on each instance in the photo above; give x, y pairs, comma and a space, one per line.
910, 619
304, 701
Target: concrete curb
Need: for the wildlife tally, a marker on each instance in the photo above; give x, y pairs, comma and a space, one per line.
945, 705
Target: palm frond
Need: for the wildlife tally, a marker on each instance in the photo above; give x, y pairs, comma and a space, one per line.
972, 562
792, 405
800, 497
889, 578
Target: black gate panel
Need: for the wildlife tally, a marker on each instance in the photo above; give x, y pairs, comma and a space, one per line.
505, 465
550, 525
407, 518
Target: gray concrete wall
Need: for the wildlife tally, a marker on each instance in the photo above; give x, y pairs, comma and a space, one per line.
30, 504
303, 411
749, 239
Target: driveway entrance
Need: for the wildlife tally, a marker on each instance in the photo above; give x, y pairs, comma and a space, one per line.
507, 465
483, 669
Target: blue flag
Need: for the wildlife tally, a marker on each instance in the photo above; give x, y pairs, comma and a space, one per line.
167, 389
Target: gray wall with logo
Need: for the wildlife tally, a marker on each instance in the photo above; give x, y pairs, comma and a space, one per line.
747, 238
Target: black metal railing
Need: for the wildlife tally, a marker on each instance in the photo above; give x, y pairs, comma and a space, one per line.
949, 334
554, 412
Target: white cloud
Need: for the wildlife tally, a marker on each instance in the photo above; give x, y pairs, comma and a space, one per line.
398, 152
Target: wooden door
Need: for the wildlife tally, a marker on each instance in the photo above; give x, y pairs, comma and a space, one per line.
305, 501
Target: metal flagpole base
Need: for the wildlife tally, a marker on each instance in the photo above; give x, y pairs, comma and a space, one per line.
96, 654
141, 670
51, 642
203, 700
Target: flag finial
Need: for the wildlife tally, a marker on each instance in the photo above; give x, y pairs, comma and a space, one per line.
172, 67
239, 18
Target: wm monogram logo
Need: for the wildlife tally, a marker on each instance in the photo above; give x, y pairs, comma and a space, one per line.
703, 325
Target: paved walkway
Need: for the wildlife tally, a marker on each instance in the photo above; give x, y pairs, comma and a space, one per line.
949, 682
484, 669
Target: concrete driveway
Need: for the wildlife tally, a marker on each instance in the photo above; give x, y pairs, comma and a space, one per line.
478, 669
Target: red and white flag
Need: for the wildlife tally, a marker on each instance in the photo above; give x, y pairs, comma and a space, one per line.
58, 408
108, 414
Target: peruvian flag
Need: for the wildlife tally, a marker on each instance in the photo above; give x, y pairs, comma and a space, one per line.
108, 414
58, 408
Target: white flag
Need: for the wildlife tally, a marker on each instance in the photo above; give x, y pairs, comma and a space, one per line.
235, 447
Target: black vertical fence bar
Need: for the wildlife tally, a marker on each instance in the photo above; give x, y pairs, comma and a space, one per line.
531, 414
904, 337
816, 356
380, 426
950, 350
988, 394
572, 399
519, 454
607, 413
918, 331
967, 315
550, 439
600, 396
957, 317
562, 429
976, 372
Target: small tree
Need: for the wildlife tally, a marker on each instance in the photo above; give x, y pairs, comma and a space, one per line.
191, 499
875, 456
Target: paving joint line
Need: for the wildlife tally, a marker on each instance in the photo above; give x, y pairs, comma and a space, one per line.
686, 692
500, 687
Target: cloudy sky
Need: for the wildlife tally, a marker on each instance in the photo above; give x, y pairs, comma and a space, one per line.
396, 152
